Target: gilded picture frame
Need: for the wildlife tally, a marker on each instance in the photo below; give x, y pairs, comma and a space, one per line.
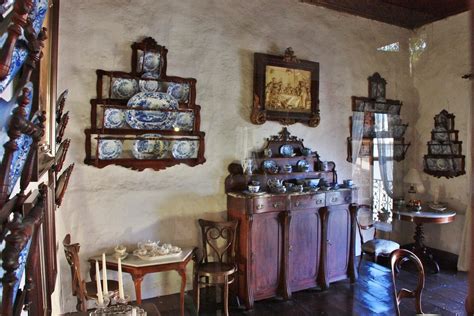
286, 89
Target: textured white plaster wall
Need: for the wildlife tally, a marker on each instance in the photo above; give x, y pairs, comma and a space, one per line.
214, 42
437, 79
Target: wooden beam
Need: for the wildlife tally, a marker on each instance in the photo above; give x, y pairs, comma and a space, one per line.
386, 12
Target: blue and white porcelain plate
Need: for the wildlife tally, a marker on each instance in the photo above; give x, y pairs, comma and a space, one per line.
154, 120
185, 121
109, 148
179, 91
150, 148
153, 101
184, 149
270, 166
150, 63
286, 150
114, 118
149, 85
123, 88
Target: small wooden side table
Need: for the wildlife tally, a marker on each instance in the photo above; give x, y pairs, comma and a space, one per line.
425, 216
138, 268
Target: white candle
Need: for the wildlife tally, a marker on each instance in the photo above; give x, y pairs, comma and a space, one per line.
104, 276
134, 311
100, 297
436, 195
120, 280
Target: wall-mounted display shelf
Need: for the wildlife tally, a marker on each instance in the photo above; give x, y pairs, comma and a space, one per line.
392, 127
145, 118
444, 158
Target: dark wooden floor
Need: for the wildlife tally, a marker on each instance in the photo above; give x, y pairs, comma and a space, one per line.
444, 294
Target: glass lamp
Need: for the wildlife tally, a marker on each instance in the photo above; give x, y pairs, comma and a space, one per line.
413, 179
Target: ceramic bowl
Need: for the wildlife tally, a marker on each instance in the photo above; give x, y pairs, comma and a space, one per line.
311, 182
253, 188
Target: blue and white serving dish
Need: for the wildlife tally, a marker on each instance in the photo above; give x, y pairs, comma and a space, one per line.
153, 120
114, 118
179, 91
153, 101
185, 121
123, 88
149, 63
109, 149
184, 149
150, 148
149, 85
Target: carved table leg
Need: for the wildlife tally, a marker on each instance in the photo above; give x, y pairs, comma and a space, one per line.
182, 273
137, 281
419, 249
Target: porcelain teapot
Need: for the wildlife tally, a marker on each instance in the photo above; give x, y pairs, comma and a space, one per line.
275, 183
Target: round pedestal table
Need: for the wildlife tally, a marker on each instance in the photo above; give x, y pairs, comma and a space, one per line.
425, 216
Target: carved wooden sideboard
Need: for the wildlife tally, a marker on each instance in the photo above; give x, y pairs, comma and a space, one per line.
293, 241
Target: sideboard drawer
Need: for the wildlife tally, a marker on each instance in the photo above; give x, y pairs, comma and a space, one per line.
308, 201
340, 197
269, 204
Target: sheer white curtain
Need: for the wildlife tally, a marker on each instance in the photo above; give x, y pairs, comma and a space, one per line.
385, 151
357, 134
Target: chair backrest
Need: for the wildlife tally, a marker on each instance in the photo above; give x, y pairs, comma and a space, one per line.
78, 284
364, 219
397, 258
218, 240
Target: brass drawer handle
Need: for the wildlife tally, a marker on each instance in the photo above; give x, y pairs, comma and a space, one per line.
259, 206
329, 242
348, 198
277, 204
319, 201
334, 199
298, 203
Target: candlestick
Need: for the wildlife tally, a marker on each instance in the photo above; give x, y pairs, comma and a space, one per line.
436, 194
100, 297
104, 276
120, 280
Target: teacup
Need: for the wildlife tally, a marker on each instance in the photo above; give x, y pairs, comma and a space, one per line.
120, 249
348, 182
253, 188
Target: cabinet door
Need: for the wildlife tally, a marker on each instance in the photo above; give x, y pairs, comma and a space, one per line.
266, 253
338, 242
305, 244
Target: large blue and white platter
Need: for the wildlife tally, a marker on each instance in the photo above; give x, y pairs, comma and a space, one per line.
153, 101
153, 119
109, 149
185, 149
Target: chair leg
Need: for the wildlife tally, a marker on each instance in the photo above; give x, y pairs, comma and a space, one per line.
226, 295
196, 292
360, 261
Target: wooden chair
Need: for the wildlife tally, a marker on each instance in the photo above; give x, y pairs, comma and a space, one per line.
217, 264
398, 257
82, 290
376, 246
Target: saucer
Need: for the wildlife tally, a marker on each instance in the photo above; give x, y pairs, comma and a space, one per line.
437, 206
116, 256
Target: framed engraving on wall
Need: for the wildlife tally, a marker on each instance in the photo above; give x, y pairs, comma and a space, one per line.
286, 89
